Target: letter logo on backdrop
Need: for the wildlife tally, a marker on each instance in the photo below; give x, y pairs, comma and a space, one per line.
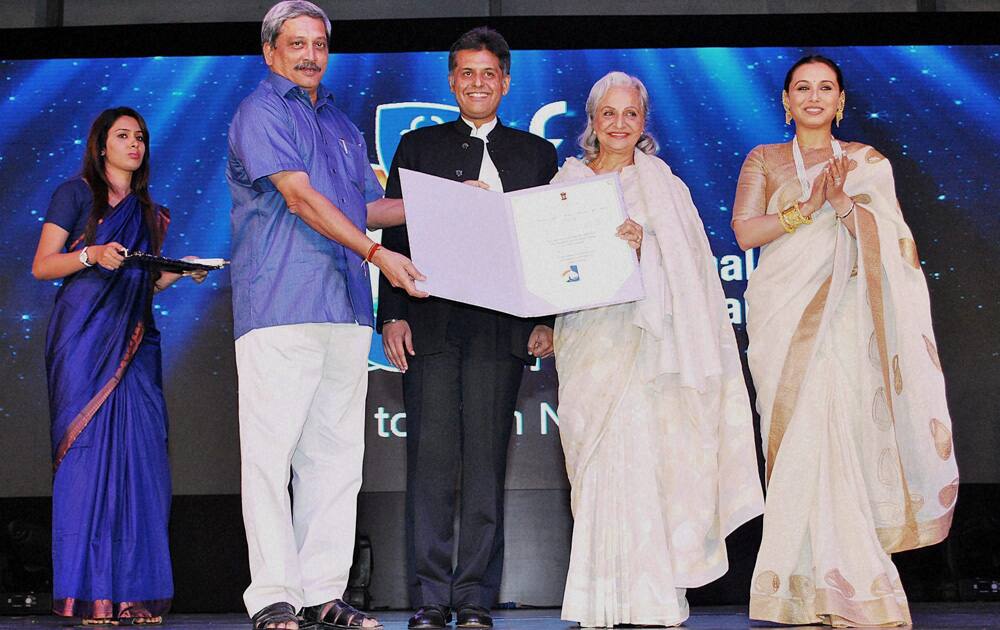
392, 120
544, 114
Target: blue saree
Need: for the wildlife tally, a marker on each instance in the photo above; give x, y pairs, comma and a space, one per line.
111, 487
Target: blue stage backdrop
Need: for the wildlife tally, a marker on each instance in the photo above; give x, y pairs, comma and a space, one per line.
932, 110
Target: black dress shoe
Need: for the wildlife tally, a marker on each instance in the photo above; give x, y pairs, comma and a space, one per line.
430, 617
470, 616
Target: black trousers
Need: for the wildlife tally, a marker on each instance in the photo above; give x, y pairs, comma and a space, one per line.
459, 414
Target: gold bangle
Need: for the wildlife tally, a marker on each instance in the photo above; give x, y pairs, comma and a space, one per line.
784, 223
805, 219
793, 215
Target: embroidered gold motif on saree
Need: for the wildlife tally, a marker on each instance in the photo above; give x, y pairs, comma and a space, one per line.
920, 534
862, 199
888, 467
801, 586
900, 531
881, 586
873, 156
880, 410
932, 352
837, 581
897, 375
908, 250
767, 583
868, 241
916, 502
891, 538
948, 494
942, 438
887, 514
873, 351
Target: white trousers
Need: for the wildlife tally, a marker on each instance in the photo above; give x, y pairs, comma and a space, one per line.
302, 409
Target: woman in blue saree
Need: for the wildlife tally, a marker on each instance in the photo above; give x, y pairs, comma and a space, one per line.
111, 483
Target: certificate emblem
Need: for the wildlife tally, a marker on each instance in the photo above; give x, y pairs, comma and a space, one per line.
573, 273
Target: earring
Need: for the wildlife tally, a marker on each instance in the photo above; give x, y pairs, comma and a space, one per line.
102, 153
840, 108
788, 110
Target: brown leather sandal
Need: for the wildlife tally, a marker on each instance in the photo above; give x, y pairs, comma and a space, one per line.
341, 616
279, 612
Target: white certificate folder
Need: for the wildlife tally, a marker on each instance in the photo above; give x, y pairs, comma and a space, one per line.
533, 252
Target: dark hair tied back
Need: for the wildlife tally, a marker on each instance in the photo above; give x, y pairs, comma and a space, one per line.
830, 63
96, 177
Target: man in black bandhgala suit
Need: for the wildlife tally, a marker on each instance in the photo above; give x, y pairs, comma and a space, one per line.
461, 364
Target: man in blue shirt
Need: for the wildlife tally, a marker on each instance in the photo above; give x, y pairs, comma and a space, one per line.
303, 191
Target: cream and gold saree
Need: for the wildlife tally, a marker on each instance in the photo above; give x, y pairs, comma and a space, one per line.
655, 422
855, 427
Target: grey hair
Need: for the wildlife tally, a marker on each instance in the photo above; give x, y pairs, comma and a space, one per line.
588, 139
287, 10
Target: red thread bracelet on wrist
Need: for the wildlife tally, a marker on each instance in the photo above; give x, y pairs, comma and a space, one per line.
371, 251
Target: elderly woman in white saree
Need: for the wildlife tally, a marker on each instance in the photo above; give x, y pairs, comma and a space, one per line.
855, 426
654, 415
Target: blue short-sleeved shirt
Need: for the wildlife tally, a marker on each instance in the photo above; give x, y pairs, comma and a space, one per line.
283, 271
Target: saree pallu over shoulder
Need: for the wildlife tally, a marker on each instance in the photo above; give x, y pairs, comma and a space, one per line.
911, 380
655, 421
853, 409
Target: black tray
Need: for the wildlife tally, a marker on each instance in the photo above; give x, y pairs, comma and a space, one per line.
175, 265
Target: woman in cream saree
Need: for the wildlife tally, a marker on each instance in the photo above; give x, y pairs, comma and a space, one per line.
654, 416
855, 427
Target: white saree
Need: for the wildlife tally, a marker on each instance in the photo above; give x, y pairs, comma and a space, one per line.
655, 422
855, 427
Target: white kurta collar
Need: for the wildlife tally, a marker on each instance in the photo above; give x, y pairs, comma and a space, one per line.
483, 131
487, 169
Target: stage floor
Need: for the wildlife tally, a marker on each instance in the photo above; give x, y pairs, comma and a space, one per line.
966, 616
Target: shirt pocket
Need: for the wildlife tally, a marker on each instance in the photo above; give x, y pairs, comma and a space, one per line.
355, 156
